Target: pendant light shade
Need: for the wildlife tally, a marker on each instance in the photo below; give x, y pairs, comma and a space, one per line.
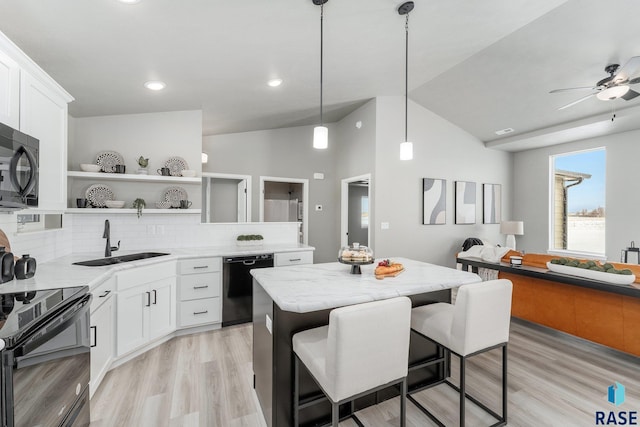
406, 147
320, 137
406, 150
321, 133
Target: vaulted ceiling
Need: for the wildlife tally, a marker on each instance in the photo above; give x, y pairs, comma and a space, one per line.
484, 65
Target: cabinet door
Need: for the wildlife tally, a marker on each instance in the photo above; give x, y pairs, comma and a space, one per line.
132, 313
43, 115
9, 91
101, 341
162, 312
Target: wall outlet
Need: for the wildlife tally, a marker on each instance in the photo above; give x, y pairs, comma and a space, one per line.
384, 226
159, 229
318, 207
151, 229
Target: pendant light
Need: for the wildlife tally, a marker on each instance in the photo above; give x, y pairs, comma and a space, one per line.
406, 147
321, 133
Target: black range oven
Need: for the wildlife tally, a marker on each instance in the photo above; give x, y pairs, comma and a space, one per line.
45, 351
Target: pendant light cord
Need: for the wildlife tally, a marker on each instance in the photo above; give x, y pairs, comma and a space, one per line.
406, 78
321, 57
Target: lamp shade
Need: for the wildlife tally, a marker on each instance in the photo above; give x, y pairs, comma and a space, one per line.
320, 137
406, 150
512, 227
614, 92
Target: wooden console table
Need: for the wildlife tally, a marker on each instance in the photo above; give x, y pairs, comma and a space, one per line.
597, 311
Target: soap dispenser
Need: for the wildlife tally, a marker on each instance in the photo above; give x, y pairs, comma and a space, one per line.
25, 267
6, 265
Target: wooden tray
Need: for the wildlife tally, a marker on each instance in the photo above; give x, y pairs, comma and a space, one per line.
394, 274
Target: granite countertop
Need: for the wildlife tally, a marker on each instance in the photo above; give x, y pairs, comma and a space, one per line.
312, 287
60, 273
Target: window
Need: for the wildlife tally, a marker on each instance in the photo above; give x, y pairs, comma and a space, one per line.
578, 201
364, 212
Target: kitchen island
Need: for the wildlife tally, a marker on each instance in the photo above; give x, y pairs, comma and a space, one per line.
291, 299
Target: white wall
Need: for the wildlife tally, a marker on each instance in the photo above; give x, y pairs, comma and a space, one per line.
157, 136
531, 200
41, 245
441, 150
286, 153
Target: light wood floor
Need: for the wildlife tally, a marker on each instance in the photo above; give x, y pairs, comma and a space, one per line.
205, 380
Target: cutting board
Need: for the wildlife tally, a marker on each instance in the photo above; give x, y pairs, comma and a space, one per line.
394, 274
4, 241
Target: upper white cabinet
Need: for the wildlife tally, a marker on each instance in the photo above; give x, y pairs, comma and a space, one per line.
9, 91
43, 115
32, 102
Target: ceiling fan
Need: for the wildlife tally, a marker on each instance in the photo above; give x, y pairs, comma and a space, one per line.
615, 86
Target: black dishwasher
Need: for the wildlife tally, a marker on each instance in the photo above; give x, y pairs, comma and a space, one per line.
237, 287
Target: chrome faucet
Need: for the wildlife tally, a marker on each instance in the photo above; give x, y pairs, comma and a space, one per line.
107, 235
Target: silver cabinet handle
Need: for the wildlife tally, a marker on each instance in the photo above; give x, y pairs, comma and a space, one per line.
295, 259
201, 312
105, 294
198, 267
201, 287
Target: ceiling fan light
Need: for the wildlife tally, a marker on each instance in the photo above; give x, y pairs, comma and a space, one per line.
320, 137
406, 150
613, 92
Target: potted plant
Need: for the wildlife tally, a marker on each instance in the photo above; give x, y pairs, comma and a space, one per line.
143, 163
138, 204
249, 240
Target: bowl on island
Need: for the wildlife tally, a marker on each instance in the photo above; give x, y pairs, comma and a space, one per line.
90, 167
118, 204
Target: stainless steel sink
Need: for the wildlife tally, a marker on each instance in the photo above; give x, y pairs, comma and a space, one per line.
101, 262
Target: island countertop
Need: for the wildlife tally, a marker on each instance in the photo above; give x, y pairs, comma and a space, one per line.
313, 287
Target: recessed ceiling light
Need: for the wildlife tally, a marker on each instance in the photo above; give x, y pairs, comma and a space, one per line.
129, 1
155, 85
274, 82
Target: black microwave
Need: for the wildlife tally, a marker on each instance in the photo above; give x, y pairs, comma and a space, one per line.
18, 169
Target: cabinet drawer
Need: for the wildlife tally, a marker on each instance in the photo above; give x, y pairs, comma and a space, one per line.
293, 258
102, 293
141, 275
200, 311
199, 265
194, 286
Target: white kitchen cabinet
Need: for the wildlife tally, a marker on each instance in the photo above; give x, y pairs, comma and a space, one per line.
293, 258
199, 289
102, 340
146, 305
9, 91
43, 115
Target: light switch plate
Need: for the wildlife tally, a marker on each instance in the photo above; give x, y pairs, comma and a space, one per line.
318, 175
384, 225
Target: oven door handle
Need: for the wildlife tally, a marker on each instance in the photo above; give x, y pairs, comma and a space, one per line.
50, 329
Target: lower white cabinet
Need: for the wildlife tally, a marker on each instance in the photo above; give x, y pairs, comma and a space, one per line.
145, 312
102, 332
199, 289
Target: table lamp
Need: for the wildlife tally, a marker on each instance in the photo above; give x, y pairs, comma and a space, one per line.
511, 229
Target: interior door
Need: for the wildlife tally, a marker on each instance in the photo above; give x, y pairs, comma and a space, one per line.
242, 200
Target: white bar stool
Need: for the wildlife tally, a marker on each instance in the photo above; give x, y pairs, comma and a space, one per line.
478, 322
364, 349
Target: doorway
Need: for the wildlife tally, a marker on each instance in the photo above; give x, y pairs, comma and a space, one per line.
226, 198
355, 210
285, 200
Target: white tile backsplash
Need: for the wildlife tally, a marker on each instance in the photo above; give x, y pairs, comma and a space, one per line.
82, 233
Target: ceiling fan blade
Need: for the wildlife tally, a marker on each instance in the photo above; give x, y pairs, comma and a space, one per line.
628, 70
572, 88
634, 80
630, 95
584, 98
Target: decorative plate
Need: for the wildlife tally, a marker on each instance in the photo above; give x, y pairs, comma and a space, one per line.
174, 195
176, 165
97, 194
108, 160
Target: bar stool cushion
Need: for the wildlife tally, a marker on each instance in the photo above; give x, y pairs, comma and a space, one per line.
478, 320
364, 346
